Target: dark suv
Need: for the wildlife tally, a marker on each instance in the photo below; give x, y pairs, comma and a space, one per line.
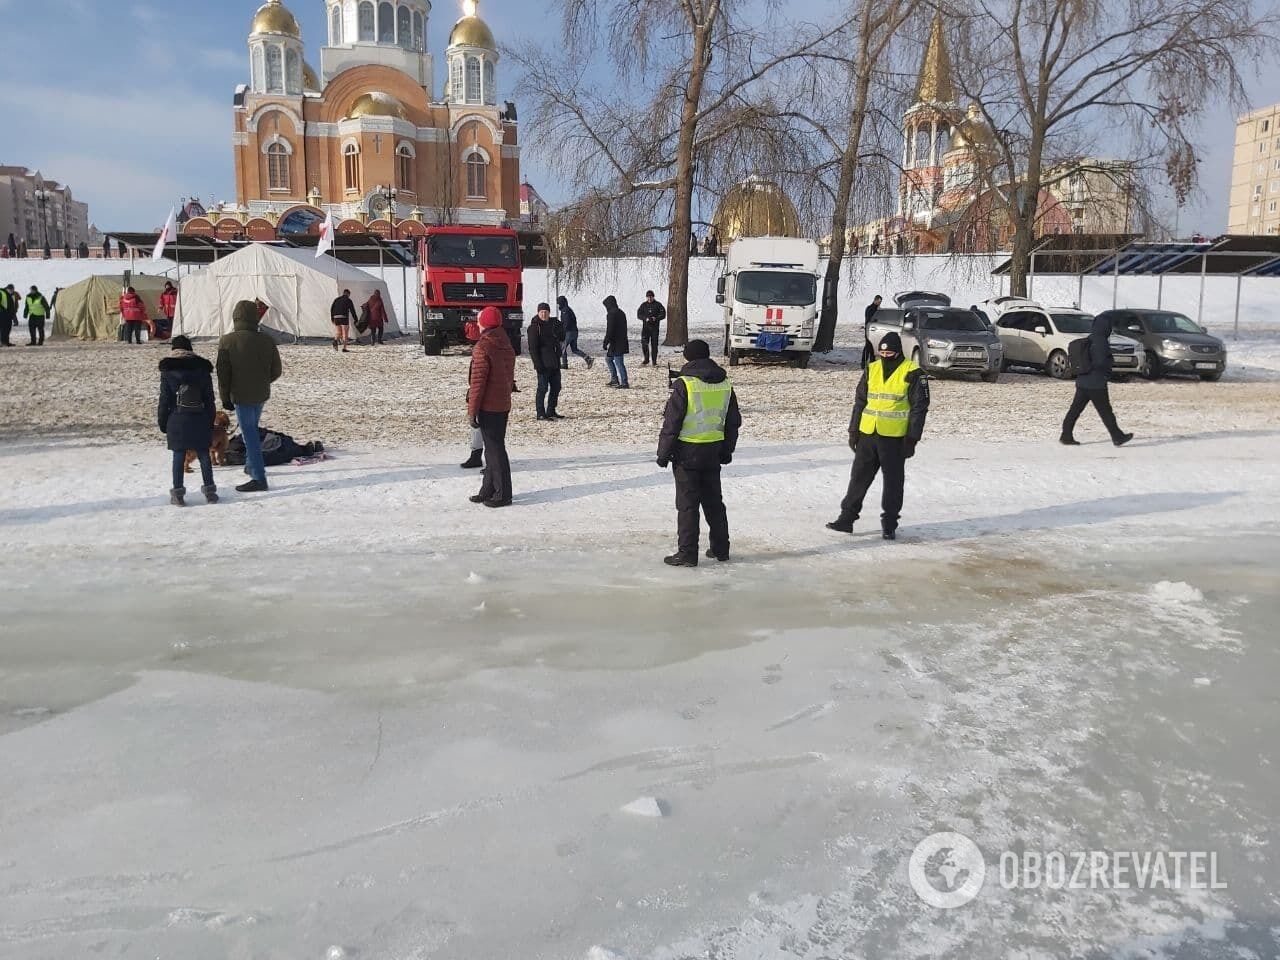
1171, 343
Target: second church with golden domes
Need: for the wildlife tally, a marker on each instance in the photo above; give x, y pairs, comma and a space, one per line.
338, 141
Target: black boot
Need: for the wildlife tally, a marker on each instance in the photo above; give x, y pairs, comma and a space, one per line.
680, 560
889, 533
474, 461
1121, 440
841, 526
176, 495
210, 494
1068, 441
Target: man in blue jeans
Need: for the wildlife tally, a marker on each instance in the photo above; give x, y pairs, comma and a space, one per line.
616, 343
248, 363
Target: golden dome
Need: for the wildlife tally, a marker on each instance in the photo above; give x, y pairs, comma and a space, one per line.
754, 208
274, 17
471, 31
972, 131
376, 104
310, 81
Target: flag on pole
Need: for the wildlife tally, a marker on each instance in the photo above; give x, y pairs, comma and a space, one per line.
326, 236
168, 235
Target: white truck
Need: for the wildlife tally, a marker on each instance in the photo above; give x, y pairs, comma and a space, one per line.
769, 290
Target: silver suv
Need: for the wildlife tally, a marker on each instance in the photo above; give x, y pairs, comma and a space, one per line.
939, 337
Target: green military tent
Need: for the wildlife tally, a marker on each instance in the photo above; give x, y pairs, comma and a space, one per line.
90, 309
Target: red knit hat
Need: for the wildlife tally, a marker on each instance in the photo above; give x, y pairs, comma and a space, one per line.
490, 317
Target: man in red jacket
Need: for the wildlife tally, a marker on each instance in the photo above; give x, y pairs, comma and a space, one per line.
134, 314
493, 368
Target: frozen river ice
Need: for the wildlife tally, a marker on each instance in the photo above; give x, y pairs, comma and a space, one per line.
367, 742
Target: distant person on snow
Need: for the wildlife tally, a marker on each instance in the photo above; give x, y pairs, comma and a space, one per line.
699, 435
616, 344
36, 312
651, 314
1091, 387
868, 352
133, 312
377, 318
248, 364
546, 338
569, 321
8, 313
169, 301
342, 313
889, 411
471, 330
493, 364
186, 412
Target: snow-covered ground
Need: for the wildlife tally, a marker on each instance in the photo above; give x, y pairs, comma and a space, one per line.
358, 717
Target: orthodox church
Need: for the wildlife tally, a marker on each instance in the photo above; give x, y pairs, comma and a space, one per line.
366, 138
943, 203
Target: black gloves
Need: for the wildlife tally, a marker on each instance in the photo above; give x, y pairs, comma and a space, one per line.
853, 440
726, 459
909, 448
663, 462
475, 423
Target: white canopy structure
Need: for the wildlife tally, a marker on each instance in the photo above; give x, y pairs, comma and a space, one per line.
298, 287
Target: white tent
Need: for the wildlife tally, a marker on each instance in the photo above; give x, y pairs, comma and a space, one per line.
298, 287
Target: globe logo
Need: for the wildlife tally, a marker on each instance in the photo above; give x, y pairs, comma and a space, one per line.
946, 870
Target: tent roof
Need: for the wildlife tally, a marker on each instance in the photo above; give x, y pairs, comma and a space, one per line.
249, 260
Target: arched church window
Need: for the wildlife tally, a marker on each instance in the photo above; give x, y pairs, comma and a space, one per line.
473, 80
351, 165
418, 29
277, 167
404, 28
335, 26
275, 70
386, 23
259, 70
477, 176
293, 72
404, 167
490, 94
367, 32
455, 81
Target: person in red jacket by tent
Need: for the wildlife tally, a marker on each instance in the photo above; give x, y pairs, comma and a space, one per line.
377, 313
133, 313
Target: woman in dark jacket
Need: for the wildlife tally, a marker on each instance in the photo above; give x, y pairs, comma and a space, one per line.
185, 415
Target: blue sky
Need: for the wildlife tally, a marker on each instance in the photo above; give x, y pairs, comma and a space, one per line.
129, 101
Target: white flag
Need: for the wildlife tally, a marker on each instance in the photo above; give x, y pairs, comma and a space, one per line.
169, 235
326, 236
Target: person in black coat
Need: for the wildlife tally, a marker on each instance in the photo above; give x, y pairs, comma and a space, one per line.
651, 314
342, 313
868, 351
1091, 387
546, 338
185, 415
569, 322
616, 345
696, 461
882, 453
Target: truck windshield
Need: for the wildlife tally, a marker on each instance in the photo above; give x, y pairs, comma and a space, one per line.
461, 250
965, 321
773, 289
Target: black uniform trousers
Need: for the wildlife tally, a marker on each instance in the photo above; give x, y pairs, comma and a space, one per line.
6, 324
35, 327
497, 467
883, 455
649, 342
700, 489
1101, 401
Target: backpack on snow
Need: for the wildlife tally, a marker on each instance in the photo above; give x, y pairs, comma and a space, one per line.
1078, 354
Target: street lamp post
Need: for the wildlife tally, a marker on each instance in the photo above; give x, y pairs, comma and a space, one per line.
390, 194
42, 201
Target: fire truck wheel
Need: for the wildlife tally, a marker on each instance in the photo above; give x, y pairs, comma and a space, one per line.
801, 361
433, 344
734, 356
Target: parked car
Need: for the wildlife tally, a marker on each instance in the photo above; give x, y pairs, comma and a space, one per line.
1171, 343
892, 316
939, 337
1040, 337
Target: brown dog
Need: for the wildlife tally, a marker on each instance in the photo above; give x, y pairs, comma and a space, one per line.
217, 449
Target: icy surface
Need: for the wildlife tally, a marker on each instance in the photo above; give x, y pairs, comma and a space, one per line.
294, 723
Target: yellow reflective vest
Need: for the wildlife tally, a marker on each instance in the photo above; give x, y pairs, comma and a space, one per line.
888, 408
36, 307
707, 412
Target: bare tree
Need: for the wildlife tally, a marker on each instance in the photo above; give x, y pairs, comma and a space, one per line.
1053, 78
639, 163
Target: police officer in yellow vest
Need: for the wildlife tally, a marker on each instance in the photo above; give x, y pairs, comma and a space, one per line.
699, 434
37, 312
887, 423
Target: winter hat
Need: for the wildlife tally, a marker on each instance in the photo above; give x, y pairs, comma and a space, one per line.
697, 350
490, 318
562, 301
544, 306
181, 343
891, 341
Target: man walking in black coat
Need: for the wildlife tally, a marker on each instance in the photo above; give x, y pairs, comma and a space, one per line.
1091, 387
342, 314
545, 339
699, 435
616, 344
651, 314
889, 411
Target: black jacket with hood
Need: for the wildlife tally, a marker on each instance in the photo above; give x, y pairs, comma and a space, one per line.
697, 456
187, 428
615, 329
546, 337
1099, 356
568, 319
917, 395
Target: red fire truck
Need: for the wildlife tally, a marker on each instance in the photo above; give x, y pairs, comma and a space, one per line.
464, 270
